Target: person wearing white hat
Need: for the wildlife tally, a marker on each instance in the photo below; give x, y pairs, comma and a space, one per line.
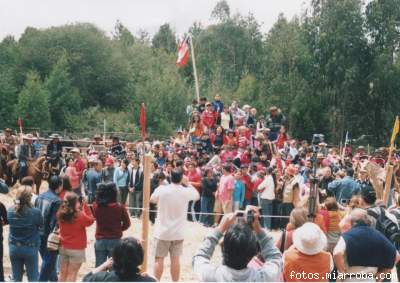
25, 154
306, 259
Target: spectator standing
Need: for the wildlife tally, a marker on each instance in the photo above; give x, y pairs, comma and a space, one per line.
172, 201
225, 190
107, 174
208, 117
344, 189
208, 188
79, 163
73, 175
121, 180
238, 192
136, 178
3, 222
267, 194
111, 220
73, 218
93, 177
48, 204
24, 238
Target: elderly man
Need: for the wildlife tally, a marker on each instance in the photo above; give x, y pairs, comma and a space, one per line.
362, 252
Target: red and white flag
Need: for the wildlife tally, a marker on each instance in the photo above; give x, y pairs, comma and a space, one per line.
183, 53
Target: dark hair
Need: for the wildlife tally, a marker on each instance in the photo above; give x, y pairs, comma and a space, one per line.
106, 193
176, 175
349, 171
128, 255
179, 163
66, 183
67, 211
27, 181
240, 246
55, 182
368, 194
227, 168
67, 160
126, 162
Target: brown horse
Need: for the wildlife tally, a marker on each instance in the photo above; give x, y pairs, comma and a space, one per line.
35, 170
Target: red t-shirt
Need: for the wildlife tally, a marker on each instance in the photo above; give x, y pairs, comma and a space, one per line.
73, 234
208, 118
195, 178
248, 185
111, 220
80, 167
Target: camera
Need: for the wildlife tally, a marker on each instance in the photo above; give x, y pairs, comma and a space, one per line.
246, 215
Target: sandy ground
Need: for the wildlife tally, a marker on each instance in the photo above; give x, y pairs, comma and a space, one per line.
194, 235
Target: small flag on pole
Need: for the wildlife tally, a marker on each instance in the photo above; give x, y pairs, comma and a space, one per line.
19, 122
395, 130
142, 120
183, 53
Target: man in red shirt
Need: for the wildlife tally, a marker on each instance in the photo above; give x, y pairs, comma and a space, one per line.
194, 179
209, 117
78, 163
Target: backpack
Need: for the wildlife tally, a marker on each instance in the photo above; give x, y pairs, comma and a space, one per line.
386, 225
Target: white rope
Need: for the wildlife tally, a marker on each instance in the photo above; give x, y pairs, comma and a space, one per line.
205, 213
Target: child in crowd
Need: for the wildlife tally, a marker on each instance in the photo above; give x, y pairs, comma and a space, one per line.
332, 219
238, 192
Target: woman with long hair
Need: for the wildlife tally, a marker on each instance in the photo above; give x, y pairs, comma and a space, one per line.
111, 220
73, 217
124, 265
24, 238
196, 128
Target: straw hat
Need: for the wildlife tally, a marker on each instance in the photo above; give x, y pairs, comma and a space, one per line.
55, 136
96, 137
75, 150
8, 130
309, 239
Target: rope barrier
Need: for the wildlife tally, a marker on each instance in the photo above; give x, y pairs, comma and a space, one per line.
205, 213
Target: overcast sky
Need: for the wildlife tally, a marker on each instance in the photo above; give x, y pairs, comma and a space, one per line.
16, 15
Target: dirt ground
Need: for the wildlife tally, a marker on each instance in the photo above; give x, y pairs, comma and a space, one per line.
194, 235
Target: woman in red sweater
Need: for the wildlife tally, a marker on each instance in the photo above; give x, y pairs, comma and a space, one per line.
111, 220
73, 218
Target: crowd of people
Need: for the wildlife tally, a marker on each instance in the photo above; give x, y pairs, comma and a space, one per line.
231, 170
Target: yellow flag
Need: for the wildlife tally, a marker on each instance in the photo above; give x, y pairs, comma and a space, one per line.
395, 130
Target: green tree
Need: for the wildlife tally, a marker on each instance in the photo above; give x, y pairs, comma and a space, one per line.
165, 39
65, 102
8, 99
33, 103
221, 11
122, 34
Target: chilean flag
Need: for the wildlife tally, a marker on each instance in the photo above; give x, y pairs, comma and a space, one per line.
142, 121
183, 53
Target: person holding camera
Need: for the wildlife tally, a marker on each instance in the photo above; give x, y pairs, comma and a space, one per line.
74, 216
242, 241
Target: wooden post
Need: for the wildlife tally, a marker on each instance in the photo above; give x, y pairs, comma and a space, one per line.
196, 80
104, 131
388, 179
146, 207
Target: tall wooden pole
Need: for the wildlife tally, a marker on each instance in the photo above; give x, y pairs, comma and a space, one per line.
389, 166
104, 131
146, 207
196, 80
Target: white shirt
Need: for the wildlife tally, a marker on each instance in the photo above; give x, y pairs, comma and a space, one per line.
225, 119
267, 187
172, 204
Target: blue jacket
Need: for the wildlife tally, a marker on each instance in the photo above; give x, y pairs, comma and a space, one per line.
24, 229
218, 106
48, 203
238, 192
121, 178
93, 178
344, 189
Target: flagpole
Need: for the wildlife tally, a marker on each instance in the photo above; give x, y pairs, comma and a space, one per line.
196, 80
389, 166
104, 132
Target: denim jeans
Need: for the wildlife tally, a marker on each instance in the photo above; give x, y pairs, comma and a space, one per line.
266, 206
27, 256
136, 201
103, 248
207, 206
48, 270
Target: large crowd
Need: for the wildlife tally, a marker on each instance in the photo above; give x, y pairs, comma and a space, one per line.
236, 172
